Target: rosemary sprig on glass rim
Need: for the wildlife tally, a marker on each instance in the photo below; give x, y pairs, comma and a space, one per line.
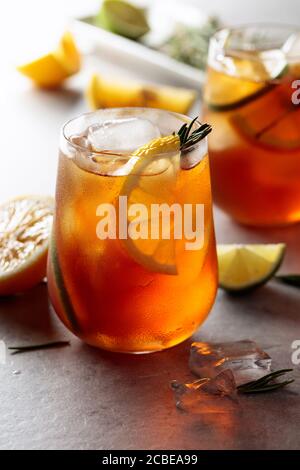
266, 383
188, 138
36, 347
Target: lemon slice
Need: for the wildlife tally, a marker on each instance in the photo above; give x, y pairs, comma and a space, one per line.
25, 225
50, 70
123, 18
275, 130
245, 80
152, 181
242, 267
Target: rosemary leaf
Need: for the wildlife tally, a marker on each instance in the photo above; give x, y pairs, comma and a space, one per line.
267, 388
290, 279
188, 139
266, 383
36, 347
266, 378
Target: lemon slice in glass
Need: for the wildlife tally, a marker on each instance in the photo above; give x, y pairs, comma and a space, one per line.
25, 225
243, 79
152, 181
243, 267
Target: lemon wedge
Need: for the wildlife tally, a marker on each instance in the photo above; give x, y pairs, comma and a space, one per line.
50, 70
25, 225
243, 267
103, 93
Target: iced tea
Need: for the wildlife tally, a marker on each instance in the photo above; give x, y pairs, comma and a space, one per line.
135, 294
251, 100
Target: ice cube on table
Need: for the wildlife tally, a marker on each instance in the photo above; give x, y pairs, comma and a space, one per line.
207, 395
122, 135
245, 358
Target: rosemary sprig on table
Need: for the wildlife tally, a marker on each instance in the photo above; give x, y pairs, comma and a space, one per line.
266, 383
35, 347
289, 279
188, 138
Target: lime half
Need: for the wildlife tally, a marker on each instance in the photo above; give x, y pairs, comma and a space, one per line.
243, 267
122, 18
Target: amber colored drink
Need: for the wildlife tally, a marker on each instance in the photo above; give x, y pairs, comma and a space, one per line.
255, 147
128, 295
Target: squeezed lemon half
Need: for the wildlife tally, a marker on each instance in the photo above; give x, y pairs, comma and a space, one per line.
25, 225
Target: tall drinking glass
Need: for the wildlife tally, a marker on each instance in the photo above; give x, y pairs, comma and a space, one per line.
132, 262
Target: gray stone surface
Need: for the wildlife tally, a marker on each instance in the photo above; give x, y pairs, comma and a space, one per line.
79, 397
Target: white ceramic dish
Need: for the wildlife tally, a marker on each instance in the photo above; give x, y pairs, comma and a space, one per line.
175, 72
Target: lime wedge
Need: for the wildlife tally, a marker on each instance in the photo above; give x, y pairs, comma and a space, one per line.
122, 18
243, 267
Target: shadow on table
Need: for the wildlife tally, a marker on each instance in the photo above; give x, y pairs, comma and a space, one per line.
26, 315
171, 363
274, 299
64, 97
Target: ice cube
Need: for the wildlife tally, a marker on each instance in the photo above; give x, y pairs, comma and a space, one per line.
189, 159
207, 395
122, 135
81, 141
292, 46
245, 358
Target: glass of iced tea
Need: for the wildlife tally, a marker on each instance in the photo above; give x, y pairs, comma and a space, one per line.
132, 259
251, 99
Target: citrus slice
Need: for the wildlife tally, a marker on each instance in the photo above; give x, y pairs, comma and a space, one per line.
25, 225
279, 132
243, 80
50, 70
102, 93
152, 181
277, 129
122, 18
58, 290
243, 267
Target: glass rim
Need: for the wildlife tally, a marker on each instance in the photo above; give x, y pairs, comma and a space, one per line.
125, 155
239, 53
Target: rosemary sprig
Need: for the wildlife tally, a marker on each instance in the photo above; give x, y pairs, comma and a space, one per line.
188, 138
35, 347
266, 383
289, 279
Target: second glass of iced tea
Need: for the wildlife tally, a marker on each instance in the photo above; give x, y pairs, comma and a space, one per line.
252, 101
132, 262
